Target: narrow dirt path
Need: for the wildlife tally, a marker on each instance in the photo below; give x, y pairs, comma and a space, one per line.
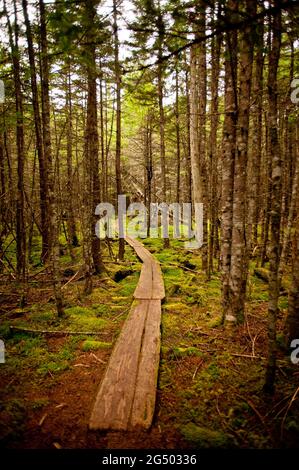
127, 393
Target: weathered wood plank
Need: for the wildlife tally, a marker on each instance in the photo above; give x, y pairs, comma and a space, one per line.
141, 251
127, 394
144, 287
158, 291
145, 394
115, 397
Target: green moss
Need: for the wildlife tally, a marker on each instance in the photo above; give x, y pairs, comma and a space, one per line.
88, 324
182, 352
283, 303
43, 316
84, 318
213, 371
79, 311
5, 330
128, 285
205, 437
53, 367
177, 307
215, 322
39, 403
91, 345
100, 309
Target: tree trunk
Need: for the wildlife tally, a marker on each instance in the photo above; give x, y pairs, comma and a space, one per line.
92, 149
71, 222
188, 146
20, 211
293, 311
178, 137
148, 166
121, 247
239, 261
51, 203
256, 144
43, 173
197, 185
103, 160
213, 152
228, 162
160, 28
202, 102
275, 217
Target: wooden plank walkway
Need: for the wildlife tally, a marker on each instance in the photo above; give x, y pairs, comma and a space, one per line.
127, 394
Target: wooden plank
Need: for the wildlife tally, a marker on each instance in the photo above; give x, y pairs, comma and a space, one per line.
158, 283
115, 397
146, 384
127, 394
144, 287
141, 251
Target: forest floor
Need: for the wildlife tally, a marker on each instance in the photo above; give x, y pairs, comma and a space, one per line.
210, 378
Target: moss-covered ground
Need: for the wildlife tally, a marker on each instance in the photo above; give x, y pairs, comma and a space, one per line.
210, 378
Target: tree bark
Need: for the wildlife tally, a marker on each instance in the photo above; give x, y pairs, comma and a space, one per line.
71, 222
160, 68
43, 173
228, 162
213, 151
20, 210
202, 103
51, 203
275, 216
121, 246
239, 261
197, 184
178, 137
92, 151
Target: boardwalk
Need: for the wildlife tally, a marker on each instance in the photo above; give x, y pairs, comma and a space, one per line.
127, 394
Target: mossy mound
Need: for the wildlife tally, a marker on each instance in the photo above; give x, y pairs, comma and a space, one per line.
182, 352
91, 345
206, 438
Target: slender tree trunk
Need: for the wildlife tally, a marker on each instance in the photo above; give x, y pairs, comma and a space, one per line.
71, 222
92, 145
178, 137
51, 203
257, 123
188, 146
160, 70
290, 176
121, 247
275, 217
202, 103
43, 173
213, 151
103, 160
148, 166
3, 228
20, 209
197, 184
293, 310
239, 261
228, 162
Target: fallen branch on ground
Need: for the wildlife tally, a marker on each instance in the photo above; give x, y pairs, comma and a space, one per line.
19, 329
